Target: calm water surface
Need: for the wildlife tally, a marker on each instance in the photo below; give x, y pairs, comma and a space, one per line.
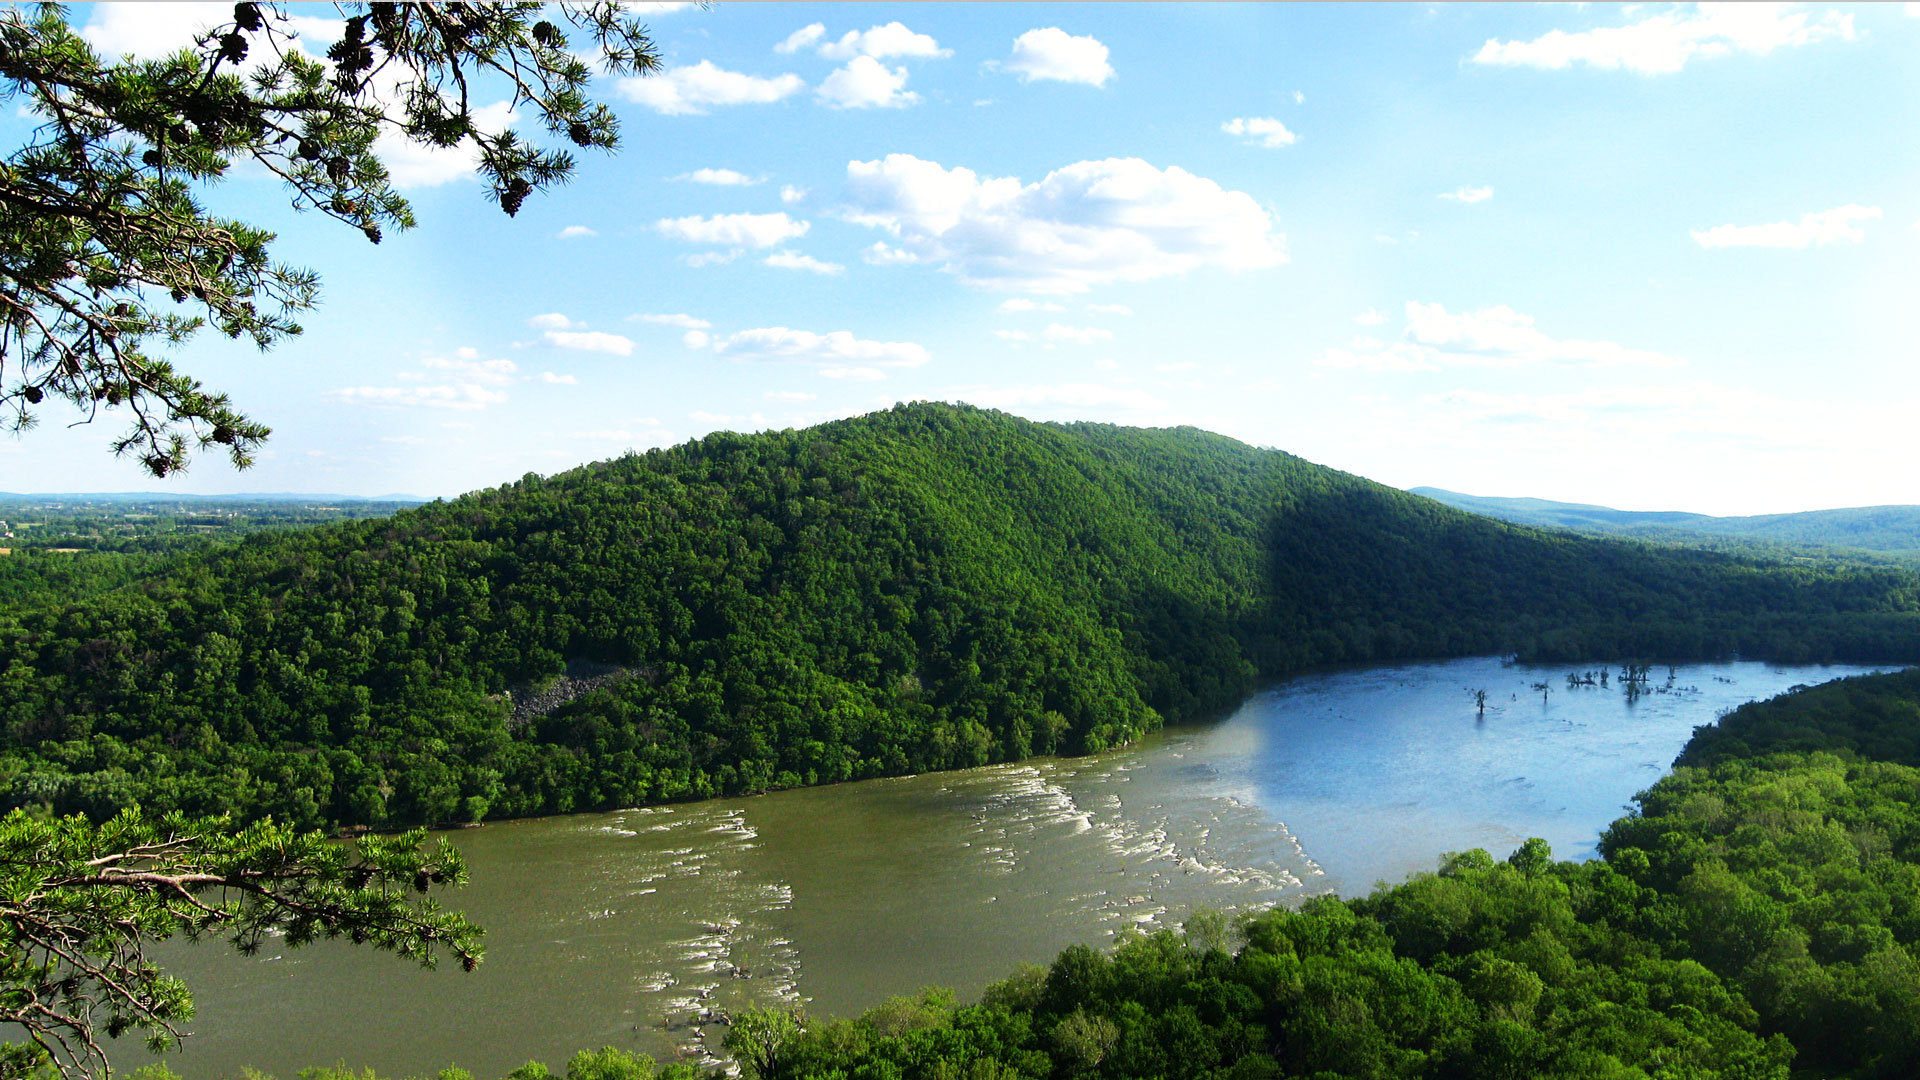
624, 928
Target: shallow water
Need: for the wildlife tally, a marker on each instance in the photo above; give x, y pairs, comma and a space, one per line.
619, 929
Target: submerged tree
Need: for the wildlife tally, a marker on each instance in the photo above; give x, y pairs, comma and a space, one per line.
108, 260
82, 903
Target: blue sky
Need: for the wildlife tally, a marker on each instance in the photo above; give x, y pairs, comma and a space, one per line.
1652, 256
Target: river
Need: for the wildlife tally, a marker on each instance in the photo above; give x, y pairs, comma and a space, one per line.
619, 928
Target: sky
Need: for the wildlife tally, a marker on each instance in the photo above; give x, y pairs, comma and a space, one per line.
1649, 256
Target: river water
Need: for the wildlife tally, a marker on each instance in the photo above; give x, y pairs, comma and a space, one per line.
623, 928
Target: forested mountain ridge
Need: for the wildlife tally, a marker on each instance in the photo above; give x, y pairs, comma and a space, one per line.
1891, 530
928, 587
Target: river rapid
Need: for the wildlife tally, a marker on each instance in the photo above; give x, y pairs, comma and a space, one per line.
640, 928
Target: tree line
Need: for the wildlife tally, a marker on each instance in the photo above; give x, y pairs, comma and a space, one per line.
923, 588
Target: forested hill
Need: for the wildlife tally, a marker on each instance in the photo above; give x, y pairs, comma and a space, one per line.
928, 587
1891, 530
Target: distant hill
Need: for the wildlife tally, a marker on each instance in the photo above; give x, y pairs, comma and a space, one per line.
928, 587
1887, 529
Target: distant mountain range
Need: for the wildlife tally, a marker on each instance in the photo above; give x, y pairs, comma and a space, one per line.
1887, 529
183, 497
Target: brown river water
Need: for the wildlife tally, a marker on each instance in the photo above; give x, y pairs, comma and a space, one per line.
630, 928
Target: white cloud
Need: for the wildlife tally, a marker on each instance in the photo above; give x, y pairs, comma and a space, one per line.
789, 259
713, 258
801, 38
1469, 194
150, 31
590, 341
468, 382
1052, 53
719, 178
1260, 131
444, 396
692, 90
412, 165
1077, 335
552, 320
574, 231
684, 322
695, 339
1110, 309
1491, 337
866, 83
880, 42
1087, 224
745, 230
1835, 226
790, 194
1021, 303
466, 366
1370, 317
1664, 43
839, 348
1299, 98
558, 380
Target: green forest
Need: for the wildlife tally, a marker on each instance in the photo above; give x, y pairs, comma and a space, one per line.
928, 587
1756, 916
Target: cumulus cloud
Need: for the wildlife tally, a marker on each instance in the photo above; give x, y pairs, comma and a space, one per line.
694, 89
590, 341
1260, 131
150, 31
1087, 224
742, 230
558, 380
790, 194
719, 178
552, 320
880, 42
684, 322
866, 83
838, 349
572, 232
1469, 194
1664, 43
695, 339
1491, 337
1835, 226
801, 38
1076, 335
1370, 317
789, 259
1053, 54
